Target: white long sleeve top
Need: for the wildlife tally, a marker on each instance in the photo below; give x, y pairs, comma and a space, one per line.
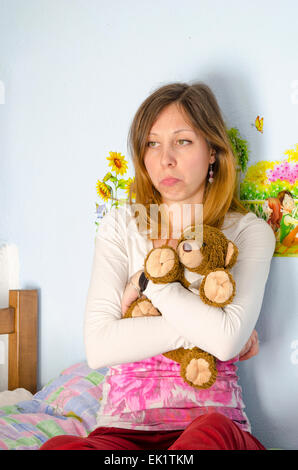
120, 251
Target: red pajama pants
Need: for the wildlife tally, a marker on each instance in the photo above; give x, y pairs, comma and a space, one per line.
212, 431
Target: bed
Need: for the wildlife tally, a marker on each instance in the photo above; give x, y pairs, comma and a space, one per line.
68, 404
19, 321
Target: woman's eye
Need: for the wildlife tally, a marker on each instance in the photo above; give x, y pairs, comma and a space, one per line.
181, 142
151, 144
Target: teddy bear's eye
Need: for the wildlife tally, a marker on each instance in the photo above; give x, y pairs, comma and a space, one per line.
204, 244
187, 247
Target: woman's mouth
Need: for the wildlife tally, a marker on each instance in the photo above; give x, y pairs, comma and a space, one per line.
169, 181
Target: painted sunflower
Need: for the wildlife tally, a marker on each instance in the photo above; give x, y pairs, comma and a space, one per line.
118, 163
130, 186
103, 191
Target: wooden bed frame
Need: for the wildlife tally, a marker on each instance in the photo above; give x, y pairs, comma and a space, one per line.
20, 322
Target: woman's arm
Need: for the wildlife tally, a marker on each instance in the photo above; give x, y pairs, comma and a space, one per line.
131, 293
109, 341
223, 331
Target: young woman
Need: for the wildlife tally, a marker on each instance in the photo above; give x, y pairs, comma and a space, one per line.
182, 158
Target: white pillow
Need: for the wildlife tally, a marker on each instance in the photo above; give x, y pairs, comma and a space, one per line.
11, 397
9, 270
9, 279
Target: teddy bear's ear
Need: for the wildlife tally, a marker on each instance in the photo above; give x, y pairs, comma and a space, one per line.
231, 255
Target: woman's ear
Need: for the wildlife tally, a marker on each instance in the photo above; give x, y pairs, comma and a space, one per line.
212, 157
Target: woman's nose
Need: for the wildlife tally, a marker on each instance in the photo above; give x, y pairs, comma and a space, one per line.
168, 156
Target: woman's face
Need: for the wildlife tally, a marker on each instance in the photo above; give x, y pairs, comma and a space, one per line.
176, 150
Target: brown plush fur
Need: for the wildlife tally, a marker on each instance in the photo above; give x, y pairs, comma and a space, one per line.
211, 260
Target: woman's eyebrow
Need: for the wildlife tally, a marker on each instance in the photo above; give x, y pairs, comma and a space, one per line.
175, 132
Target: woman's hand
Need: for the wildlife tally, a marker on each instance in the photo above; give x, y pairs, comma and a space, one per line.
251, 348
130, 294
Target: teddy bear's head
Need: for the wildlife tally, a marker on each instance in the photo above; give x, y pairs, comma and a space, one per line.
200, 249
206, 249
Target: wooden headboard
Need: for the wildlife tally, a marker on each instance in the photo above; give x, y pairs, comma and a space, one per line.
20, 322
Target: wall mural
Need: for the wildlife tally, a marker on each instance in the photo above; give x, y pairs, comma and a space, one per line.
270, 190
267, 188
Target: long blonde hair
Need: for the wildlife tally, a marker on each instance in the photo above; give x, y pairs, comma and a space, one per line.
200, 107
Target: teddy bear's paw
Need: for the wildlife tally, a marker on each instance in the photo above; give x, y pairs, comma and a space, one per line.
218, 287
144, 308
160, 262
200, 371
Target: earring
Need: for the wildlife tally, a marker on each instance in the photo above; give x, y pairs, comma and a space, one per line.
211, 179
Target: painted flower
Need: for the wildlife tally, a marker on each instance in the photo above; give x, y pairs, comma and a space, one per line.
129, 187
118, 163
292, 154
284, 171
257, 173
107, 177
103, 191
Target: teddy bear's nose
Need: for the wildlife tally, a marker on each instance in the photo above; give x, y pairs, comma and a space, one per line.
187, 247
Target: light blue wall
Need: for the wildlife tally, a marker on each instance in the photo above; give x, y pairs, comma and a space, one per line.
74, 73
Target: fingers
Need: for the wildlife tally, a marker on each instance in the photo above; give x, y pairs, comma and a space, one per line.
251, 353
135, 278
246, 348
254, 336
253, 349
129, 296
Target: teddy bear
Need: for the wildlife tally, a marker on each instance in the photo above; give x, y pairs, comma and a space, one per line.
201, 263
